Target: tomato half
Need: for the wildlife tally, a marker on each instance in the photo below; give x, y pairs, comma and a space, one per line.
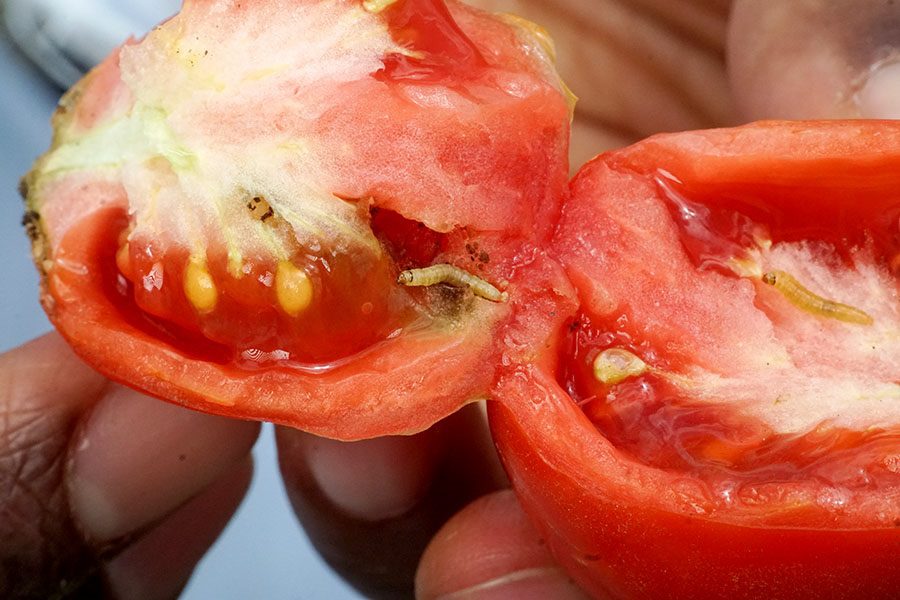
718, 416
229, 203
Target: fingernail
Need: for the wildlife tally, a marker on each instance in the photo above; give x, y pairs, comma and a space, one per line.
530, 584
138, 458
161, 562
879, 97
373, 479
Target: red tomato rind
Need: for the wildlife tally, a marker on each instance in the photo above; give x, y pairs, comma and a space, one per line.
623, 530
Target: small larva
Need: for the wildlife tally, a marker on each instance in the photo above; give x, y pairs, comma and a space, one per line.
260, 208
804, 299
453, 276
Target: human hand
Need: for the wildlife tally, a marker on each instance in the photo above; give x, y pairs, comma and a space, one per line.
639, 67
106, 491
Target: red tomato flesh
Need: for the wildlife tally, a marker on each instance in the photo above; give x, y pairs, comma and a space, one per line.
752, 450
233, 216
654, 421
427, 27
626, 532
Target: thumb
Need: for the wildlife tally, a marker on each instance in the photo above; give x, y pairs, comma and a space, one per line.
815, 58
490, 551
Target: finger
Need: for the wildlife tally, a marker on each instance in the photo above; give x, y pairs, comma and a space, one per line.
158, 565
136, 459
370, 507
77, 488
637, 66
815, 58
490, 551
43, 391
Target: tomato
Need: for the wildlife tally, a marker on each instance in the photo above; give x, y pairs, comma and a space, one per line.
718, 415
228, 205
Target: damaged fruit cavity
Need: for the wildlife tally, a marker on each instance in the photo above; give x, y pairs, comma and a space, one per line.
814, 396
251, 204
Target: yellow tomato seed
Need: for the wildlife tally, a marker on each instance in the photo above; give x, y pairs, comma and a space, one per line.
615, 365
123, 260
199, 287
293, 288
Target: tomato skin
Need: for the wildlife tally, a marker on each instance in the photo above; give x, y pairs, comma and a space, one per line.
627, 530
578, 491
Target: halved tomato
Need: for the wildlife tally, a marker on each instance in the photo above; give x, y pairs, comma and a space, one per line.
719, 415
229, 204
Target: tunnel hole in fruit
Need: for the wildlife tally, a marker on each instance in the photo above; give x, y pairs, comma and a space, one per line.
409, 243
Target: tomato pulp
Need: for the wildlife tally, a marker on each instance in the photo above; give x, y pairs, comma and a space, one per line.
236, 217
695, 429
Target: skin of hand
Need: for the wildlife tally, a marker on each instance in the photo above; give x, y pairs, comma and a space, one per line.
106, 492
98, 479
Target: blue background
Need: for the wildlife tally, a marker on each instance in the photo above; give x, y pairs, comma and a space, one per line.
263, 552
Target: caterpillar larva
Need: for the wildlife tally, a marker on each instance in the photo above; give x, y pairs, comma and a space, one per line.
453, 276
261, 209
806, 300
